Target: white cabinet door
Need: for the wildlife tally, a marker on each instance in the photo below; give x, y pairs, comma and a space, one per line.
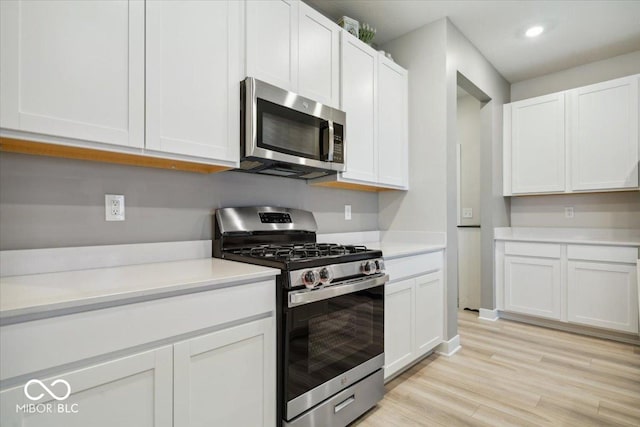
538, 145
532, 286
429, 313
603, 295
193, 78
272, 42
132, 391
359, 100
399, 325
227, 378
604, 135
319, 57
392, 135
73, 69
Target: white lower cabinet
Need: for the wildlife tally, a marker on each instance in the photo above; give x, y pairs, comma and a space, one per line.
603, 295
414, 313
129, 391
202, 372
429, 312
532, 286
226, 378
586, 284
399, 325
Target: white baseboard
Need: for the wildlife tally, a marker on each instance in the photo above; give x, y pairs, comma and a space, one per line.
449, 348
490, 315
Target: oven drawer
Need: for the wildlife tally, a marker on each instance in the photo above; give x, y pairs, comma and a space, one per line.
345, 406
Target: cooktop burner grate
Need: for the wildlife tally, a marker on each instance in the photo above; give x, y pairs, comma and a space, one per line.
292, 252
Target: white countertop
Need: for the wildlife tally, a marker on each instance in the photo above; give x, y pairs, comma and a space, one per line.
587, 236
74, 290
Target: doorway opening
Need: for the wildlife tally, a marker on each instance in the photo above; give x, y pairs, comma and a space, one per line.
469, 129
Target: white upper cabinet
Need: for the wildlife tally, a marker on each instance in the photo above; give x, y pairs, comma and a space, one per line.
319, 57
374, 96
604, 135
193, 78
538, 145
292, 46
359, 72
73, 69
272, 42
392, 123
583, 139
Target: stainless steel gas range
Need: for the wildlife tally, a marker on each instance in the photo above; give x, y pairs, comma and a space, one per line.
330, 312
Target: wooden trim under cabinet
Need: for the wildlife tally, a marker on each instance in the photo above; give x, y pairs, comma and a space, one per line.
351, 186
11, 145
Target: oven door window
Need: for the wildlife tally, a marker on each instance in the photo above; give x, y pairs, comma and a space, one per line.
288, 131
327, 338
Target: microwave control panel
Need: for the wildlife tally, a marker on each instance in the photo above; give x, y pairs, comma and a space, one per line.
338, 144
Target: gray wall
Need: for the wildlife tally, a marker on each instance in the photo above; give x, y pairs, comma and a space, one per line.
594, 72
598, 210
48, 202
434, 54
423, 207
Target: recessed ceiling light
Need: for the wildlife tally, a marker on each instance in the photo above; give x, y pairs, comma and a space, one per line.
534, 31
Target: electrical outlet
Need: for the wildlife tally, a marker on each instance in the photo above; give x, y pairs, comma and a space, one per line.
568, 212
347, 212
113, 207
467, 213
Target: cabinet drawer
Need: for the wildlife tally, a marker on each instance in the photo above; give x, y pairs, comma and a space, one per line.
400, 268
603, 253
545, 250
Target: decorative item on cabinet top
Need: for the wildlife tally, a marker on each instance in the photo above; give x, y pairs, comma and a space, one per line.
367, 33
350, 25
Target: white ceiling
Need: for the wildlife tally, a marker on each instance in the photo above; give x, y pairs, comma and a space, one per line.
579, 31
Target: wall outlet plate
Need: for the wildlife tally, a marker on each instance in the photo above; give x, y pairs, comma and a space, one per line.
114, 207
467, 213
347, 212
568, 212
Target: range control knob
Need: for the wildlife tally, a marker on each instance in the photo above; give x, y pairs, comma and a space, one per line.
310, 278
326, 275
379, 266
368, 267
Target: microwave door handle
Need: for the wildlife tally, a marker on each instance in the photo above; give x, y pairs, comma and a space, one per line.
302, 297
331, 147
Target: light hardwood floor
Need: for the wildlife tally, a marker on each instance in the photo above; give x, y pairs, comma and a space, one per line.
512, 374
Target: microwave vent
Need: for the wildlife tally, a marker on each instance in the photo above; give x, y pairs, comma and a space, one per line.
313, 175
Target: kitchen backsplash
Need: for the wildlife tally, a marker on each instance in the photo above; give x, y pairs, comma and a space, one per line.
596, 210
47, 202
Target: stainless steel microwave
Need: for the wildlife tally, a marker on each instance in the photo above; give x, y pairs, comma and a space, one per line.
285, 134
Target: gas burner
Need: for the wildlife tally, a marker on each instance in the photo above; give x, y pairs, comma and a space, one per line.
299, 251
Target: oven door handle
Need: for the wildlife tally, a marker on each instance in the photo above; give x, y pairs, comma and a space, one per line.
305, 296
